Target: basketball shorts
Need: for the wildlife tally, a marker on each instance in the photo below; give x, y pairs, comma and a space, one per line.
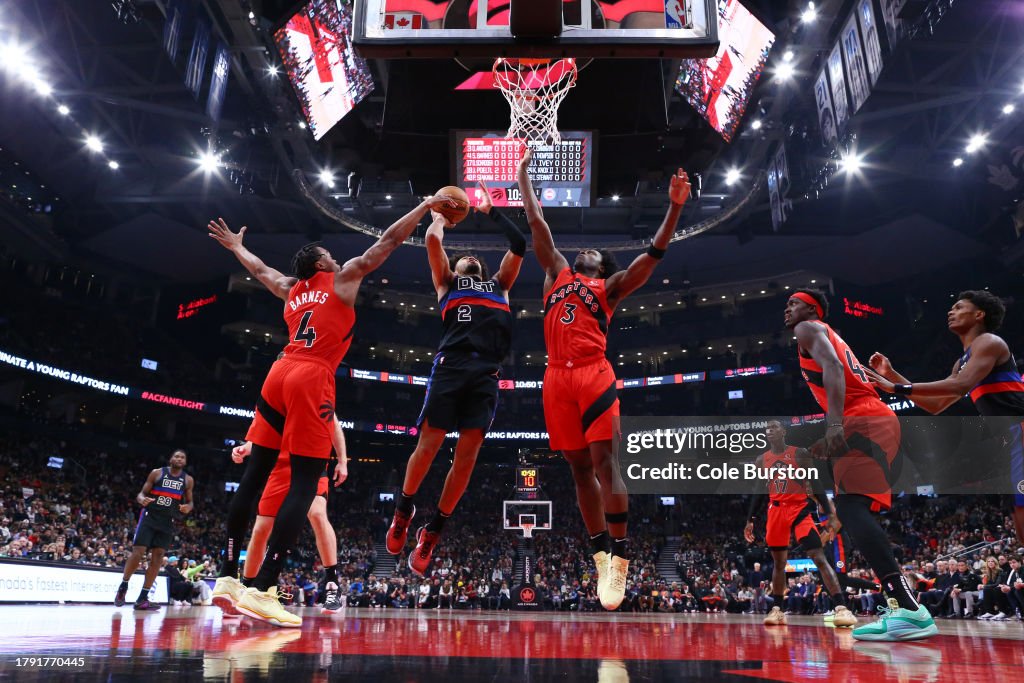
581, 405
786, 519
295, 411
150, 534
278, 485
871, 465
1016, 445
617, 10
462, 392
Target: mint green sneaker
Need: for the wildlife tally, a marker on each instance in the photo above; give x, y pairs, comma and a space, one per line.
898, 624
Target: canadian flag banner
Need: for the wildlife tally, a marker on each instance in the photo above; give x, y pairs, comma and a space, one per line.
403, 20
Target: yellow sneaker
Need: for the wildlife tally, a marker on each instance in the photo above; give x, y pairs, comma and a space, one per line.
226, 593
602, 560
775, 618
844, 618
266, 607
615, 586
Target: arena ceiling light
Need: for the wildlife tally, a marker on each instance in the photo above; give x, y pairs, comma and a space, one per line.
42, 87
977, 141
732, 176
63, 109
785, 71
327, 178
113, 165
272, 70
615, 197
1009, 109
788, 56
809, 14
94, 143
756, 124
958, 162
208, 161
851, 162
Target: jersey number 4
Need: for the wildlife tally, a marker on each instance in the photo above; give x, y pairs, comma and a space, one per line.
568, 314
305, 333
855, 368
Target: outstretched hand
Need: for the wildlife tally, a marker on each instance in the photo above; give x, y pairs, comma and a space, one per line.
679, 187
220, 231
485, 204
526, 154
879, 381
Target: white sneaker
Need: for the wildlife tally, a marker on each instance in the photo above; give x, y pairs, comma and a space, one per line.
775, 618
266, 607
844, 618
226, 593
1000, 617
602, 560
615, 587
985, 617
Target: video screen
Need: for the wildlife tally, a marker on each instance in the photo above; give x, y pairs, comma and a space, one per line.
329, 78
562, 174
719, 87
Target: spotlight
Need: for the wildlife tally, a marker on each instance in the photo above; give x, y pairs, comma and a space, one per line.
42, 87
14, 57
977, 141
208, 161
1009, 109
272, 70
327, 178
63, 110
302, 125
851, 163
252, 15
113, 165
810, 14
94, 143
732, 176
756, 124
785, 71
387, 197
788, 56
615, 197
958, 162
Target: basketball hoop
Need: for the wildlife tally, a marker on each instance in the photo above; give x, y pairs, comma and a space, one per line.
527, 529
534, 88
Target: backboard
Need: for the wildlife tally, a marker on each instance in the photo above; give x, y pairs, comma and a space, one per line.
517, 513
396, 29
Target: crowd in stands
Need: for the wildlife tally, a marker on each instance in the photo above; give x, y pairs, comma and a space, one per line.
84, 514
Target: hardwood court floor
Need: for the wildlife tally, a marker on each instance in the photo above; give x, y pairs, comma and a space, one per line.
381, 646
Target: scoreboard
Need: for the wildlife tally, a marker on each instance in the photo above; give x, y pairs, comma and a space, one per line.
527, 483
561, 174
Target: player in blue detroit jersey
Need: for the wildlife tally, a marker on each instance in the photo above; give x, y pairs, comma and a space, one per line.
166, 495
462, 392
986, 370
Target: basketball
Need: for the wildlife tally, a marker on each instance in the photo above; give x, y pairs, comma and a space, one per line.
458, 195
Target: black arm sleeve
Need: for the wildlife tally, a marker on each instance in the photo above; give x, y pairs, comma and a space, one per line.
516, 238
756, 505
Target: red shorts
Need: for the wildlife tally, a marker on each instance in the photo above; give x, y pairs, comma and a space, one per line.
787, 518
870, 466
295, 413
278, 484
581, 405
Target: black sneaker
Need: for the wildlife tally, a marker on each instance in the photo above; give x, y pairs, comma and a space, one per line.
122, 591
144, 605
332, 601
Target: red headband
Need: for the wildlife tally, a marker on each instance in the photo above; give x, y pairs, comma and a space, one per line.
810, 301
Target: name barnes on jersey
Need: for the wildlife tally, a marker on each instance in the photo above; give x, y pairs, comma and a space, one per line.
317, 297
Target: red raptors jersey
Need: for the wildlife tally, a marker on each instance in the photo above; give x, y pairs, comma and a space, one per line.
783, 490
576, 317
861, 397
319, 324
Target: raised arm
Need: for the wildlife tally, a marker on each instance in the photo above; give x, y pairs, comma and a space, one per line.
346, 283
551, 260
623, 283
513, 259
440, 271
277, 282
813, 338
985, 354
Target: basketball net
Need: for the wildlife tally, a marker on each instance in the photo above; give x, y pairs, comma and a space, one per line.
533, 89
528, 530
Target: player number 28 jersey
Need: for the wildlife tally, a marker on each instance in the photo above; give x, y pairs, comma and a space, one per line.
319, 323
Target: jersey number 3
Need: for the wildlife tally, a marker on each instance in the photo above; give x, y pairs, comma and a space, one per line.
305, 333
568, 314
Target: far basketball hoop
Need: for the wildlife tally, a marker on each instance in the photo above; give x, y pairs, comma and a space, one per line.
534, 88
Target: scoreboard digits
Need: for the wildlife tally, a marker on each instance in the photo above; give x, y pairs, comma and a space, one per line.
527, 483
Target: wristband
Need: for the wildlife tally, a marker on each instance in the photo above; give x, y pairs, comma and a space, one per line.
836, 424
902, 389
654, 252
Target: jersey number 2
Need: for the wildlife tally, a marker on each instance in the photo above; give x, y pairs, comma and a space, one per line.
465, 314
305, 333
568, 313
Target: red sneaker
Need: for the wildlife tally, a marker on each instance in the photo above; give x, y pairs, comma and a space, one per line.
419, 559
398, 533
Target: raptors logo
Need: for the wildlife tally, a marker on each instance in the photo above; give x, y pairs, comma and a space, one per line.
527, 595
